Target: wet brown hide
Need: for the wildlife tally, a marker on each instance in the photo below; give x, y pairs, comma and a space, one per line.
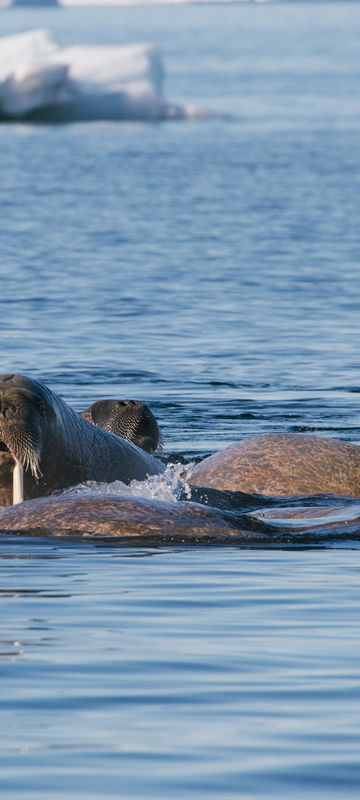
122, 516
283, 465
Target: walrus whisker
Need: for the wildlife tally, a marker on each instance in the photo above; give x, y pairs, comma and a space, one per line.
31, 461
18, 483
27, 452
28, 457
130, 419
56, 448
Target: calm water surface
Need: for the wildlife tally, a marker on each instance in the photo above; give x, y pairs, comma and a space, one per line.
203, 672
210, 269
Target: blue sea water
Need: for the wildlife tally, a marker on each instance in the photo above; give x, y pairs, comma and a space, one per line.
211, 269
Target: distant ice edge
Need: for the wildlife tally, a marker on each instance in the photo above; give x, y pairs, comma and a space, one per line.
40, 80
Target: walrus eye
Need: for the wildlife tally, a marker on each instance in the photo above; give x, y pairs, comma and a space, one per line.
3, 447
6, 409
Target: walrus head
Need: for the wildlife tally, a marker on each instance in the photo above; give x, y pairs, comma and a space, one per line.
21, 412
130, 419
41, 434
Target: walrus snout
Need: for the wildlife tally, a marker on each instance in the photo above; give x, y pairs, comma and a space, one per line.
130, 419
20, 426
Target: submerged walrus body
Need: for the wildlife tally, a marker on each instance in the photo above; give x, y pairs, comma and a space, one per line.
124, 517
136, 520
55, 446
283, 464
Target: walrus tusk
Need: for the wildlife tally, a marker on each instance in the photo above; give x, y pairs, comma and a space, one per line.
18, 484
56, 447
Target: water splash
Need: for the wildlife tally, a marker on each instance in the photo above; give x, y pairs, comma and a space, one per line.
168, 486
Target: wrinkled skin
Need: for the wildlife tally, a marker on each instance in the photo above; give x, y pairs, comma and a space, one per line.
6, 479
283, 465
56, 447
136, 520
130, 419
124, 517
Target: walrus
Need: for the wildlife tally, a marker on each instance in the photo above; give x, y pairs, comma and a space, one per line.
130, 419
54, 448
135, 520
282, 464
125, 517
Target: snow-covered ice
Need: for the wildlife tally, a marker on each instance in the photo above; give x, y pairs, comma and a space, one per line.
41, 80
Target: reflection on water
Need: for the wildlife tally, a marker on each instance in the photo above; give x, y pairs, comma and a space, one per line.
179, 671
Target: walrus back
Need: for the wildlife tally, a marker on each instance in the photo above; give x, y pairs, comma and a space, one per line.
283, 465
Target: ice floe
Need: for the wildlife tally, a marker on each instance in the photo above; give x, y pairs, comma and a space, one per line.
43, 81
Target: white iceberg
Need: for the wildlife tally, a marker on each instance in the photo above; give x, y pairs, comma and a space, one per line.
40, 80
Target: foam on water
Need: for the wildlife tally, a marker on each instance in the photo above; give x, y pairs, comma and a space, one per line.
168, 486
